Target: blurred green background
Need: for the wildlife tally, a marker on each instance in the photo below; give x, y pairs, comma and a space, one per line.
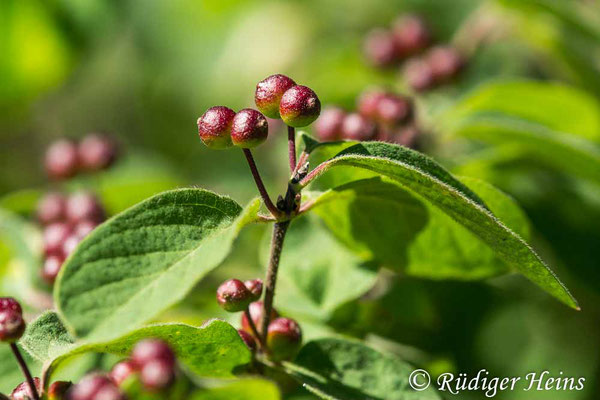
144, 71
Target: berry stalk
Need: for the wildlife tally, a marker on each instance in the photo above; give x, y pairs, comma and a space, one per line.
292, 147
25, 370
259, 183
255, 332
279, 231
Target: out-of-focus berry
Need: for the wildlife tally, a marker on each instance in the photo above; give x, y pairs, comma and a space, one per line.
256, 313
96, 152
284, 339
357, 127
418, 74
54, 237
329, 124
380, 49
248, 339
84, 206
51, 268
121, 371
61, 160
411, 35
51, 208
445, 63
393, 109
23, 391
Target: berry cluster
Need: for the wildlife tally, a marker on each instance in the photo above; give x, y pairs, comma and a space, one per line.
66, 221
380, 115
284, 336
66, 158
407, 41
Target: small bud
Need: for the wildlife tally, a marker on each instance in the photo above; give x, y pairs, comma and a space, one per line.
233, 296
51, 268
411, 35
214, 127
96, 387
54, 237
61, 159
84, 206
329, 124
368, 102
445, 63
248, 339
418, 74
157, 374
256, 313
249, 128
284, 339
58, 390
9, 303
299, 106
255, 286
23, 391
96, 152
380, 48
393, 109
152, 349
121, 371
12, 326
357, 127
51, 208
269, 92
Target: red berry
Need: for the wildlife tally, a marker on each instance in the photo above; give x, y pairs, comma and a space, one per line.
368, 101
380, 48
152, 349
299, 106
84, 206
96, 152
284, 339
58, 390
445, 63
51, 268
357, 127
96, 387
329, 125
255, 286
157, 374
70, 244
51, 208
61, 159
84, 228
12, 326
256, 313
248, 339
233, 296
249, 128
121, 371
269, 92
23, 391
8, 303
418, 75
411, 35
214, 127
54, 237
394, 109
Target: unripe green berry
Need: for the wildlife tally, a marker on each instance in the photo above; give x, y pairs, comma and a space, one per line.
284, 339
269, 92
299, 106
214, 127
249, 128
233, 296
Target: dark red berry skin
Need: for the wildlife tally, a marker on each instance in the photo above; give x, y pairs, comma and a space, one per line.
329, 124
84, 206
256, 312
157, 375
418, 75
255, 286
96, 152
58, 390
380, 48
9, 303
51, 268
121, 371
248, 339
51, 208
152, 349
269, 92
214, 127
393, 109
234, 296
12, 326
411, 35
61, 159
96, 387
23, 391
368, 101
445, 63
300, 106
357, 127
249, 128
54, 237
284, 339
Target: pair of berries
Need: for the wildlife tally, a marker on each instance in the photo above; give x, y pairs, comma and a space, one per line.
66, 220
65, 158
277, 96
284, 336
439, 65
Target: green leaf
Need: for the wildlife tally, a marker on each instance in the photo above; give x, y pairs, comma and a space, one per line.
212, 350
146, 259
340, 369
22, 202
428, 180
10, 374
245, 389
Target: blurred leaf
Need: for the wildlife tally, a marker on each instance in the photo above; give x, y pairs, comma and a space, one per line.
146, 259
340, 369
22, 202
245, 389
213, 350
10, 374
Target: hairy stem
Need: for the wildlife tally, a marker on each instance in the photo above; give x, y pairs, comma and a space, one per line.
279, 231
25, 370
292, 147
259, 184
257, 335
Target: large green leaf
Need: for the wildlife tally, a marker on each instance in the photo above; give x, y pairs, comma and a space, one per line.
212, 350
429, 181
345, 370
245, 389
146, 259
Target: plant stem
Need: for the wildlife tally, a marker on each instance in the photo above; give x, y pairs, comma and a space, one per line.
25, 370
279, 231
259, 184
254, 330
292, 148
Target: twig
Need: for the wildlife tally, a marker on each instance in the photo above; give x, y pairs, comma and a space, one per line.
260, 185
25, 370
292, 147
